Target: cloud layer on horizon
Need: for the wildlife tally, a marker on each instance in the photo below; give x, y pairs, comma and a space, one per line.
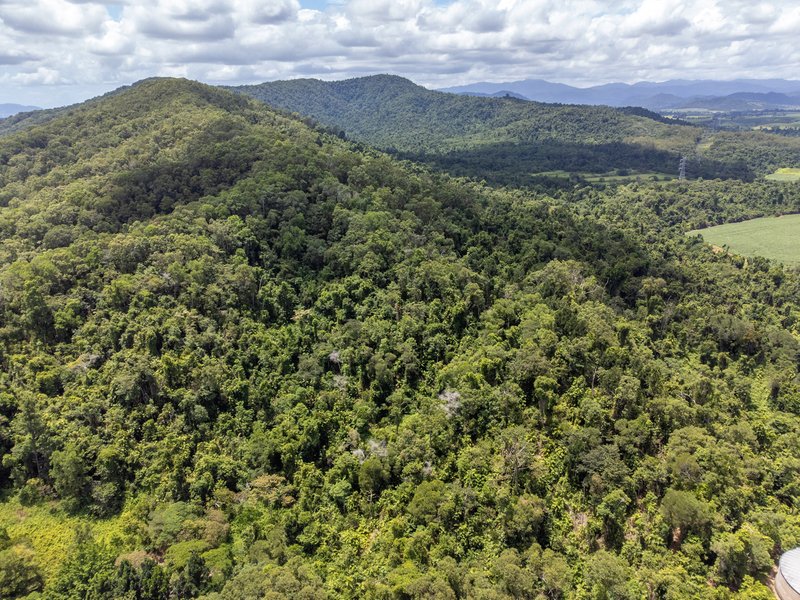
57, 51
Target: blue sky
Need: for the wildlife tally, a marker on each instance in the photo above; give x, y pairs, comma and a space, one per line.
315, 4
114, 11
322, 4
57, 51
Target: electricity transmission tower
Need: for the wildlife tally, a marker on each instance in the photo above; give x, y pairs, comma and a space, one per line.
682, 169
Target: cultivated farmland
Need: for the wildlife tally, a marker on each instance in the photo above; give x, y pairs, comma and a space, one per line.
777, 238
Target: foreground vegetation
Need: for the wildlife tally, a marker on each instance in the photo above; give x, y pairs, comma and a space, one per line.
242, 358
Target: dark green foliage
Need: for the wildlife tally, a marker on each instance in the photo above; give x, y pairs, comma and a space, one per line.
153, 583
683, 512
746, 552
763, 152
527, 164
193, 579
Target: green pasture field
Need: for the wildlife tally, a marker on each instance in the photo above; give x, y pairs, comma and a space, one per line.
776, 238
785, 175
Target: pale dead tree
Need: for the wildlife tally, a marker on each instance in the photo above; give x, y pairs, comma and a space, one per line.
451, 402
377, 448
353, 438
340, 382
516, 454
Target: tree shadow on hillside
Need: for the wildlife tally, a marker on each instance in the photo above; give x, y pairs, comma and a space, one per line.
521, 164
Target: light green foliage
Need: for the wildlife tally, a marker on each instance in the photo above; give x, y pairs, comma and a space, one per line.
19, 574
746, 552
608, 577
178, 554
49, 531
167, 523
84, 571
69, 475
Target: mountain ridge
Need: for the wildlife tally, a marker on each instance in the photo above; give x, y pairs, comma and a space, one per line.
392, 98
653, 95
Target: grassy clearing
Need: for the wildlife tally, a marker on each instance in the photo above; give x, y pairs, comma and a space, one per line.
776, 238
785, 175
50, 531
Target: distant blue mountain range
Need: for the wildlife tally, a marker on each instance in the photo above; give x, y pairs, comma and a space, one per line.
500, 94
739, 94
7, 110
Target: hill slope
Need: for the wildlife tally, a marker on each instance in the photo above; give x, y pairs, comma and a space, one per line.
389, 111
507, 140
255, 361
502, 140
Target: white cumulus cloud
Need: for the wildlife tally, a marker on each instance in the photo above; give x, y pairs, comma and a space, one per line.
57, 51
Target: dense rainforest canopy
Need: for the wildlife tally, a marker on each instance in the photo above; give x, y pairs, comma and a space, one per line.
389, 111
243, 358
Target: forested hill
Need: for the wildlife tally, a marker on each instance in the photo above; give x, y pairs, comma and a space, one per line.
391, 112
507, 140
242, 359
